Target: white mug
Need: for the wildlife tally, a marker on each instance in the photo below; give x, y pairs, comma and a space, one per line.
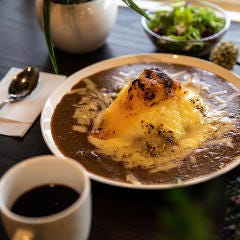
72, 223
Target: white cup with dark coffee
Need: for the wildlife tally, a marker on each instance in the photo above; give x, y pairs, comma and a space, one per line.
46, 197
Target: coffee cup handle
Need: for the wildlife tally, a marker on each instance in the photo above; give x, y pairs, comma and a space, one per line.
21, 234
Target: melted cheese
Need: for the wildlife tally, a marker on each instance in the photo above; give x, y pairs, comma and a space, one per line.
156, 133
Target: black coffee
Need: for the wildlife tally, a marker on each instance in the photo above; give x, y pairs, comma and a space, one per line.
45, 200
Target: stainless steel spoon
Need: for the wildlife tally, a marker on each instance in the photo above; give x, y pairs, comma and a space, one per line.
22, 85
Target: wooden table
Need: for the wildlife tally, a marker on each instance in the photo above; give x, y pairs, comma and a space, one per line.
195, 212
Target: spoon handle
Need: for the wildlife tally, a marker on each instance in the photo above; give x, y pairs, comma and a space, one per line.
5, 102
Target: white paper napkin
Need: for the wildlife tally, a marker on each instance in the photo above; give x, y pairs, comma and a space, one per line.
16, 118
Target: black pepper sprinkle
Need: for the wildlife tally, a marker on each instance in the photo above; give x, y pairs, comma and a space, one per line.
151, 150
151, 126
167, 81
139, 83
149, 95
130, 89
130, 97
149, 73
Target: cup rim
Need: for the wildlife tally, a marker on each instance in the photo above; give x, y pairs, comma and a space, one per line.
52, 217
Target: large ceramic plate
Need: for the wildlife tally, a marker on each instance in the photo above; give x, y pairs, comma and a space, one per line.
57, 95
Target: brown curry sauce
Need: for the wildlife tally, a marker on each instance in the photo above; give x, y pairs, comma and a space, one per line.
75, 144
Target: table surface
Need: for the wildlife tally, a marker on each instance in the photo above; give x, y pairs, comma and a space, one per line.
195, 212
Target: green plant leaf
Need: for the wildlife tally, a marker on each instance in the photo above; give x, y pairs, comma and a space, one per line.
136, 8
47, 33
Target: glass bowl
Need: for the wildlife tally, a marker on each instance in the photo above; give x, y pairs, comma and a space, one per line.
197, 48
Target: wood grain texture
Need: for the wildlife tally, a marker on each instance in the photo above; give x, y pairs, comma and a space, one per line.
117, 213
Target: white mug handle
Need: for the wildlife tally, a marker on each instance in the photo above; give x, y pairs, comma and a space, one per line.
23, 234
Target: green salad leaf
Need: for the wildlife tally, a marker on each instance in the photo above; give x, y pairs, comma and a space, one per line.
47, 33
184, 21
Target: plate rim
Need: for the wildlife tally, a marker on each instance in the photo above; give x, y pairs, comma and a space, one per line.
70, 81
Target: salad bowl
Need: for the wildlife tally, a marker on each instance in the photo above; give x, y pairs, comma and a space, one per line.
188, 28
